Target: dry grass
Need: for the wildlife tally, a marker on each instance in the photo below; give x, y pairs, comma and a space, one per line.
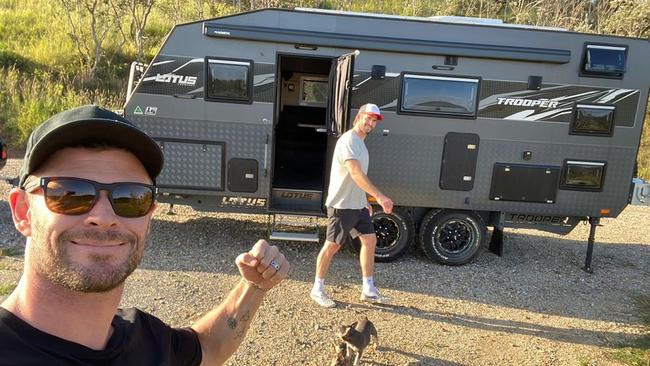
638, 354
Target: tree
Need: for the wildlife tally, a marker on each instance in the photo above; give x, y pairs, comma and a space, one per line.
91, 22
138, 11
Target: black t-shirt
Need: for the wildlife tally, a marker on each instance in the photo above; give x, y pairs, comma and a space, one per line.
138, 339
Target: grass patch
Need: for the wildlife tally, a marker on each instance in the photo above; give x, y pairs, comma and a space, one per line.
40, 66
584, 361
11, 252
6, 288
27, 99
638, 354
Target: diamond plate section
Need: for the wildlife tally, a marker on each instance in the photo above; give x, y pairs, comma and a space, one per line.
192, 165
407, 169
241, 140
620, 163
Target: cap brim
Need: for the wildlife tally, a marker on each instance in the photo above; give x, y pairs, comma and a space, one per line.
378, 117
100, 131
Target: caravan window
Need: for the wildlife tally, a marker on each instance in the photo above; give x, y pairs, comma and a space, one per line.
583, 175
313, 91
604, 61
429, 94
590, 119
229, 80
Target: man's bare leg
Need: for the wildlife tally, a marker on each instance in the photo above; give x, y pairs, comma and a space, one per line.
322, 266
325, 256
367, 260
367, 254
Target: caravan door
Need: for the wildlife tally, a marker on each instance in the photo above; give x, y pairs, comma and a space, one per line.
338, 109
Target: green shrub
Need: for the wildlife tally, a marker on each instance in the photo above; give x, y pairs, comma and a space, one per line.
27, 100
41, 68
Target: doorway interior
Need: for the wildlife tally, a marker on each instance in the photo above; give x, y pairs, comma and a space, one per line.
300, 133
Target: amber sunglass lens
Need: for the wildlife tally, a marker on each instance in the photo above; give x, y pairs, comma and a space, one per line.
70, 197
132, 200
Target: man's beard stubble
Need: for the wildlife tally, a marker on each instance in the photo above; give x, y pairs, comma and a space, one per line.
51, 259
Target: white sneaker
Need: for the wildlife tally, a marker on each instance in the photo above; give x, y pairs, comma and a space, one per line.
322, 299
375, 299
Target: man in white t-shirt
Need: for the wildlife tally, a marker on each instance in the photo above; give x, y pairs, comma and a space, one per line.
348, 210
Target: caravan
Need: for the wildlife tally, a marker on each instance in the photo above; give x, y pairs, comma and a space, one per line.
486, 124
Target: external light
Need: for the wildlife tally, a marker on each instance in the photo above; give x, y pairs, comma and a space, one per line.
306, 47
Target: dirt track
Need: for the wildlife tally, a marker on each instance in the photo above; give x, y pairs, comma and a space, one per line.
533, 306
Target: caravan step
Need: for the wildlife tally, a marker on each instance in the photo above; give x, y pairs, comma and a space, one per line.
281, 235
295, 220
281, 227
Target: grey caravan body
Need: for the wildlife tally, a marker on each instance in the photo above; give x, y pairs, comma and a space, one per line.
500, 125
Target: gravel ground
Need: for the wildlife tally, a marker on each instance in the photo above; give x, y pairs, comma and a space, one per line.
533, 306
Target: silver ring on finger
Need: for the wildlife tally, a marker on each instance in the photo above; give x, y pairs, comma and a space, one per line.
275, 265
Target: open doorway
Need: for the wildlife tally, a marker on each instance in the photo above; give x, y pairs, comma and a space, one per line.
300, 133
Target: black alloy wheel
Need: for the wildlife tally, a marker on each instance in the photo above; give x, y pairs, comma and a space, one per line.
394, 231
452, 237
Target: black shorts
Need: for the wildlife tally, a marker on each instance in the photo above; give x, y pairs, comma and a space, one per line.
344, 222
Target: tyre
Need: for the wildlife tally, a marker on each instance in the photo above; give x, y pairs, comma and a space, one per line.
394, 234
452, 237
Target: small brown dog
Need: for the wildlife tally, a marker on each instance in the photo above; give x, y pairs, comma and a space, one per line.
357, 337
341, 357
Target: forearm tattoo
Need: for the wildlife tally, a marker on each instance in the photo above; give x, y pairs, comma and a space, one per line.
233, 323
245, 317
240, 333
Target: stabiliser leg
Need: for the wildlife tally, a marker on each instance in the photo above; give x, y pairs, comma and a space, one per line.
496, 242
593, 221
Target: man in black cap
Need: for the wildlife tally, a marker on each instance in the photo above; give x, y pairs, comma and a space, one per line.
85, 199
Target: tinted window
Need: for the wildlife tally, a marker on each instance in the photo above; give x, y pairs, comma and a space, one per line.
228, 80
437, 94
583, 175
605, 60
593, 120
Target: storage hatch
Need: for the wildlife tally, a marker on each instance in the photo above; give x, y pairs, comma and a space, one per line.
459, 161
524, 183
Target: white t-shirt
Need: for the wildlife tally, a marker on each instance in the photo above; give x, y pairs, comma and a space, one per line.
343, 192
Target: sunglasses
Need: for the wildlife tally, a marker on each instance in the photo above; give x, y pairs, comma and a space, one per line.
77, 196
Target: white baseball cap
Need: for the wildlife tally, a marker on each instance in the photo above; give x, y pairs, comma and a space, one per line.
372, 109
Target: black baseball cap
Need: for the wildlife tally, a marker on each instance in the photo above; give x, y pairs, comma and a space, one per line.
86, 126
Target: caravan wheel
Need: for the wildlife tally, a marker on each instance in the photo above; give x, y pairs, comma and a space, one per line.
394, 233
452, 237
